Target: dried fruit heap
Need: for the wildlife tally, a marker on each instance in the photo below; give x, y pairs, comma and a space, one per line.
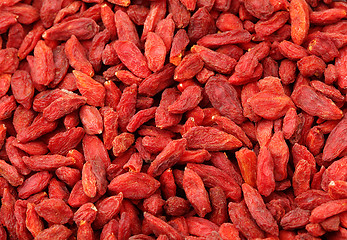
178, 119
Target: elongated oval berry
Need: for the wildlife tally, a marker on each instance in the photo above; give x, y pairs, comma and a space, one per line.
34, 184
258, 210
336, 142
82, 28
43, 64
223, 97
132, 58
270, 105
126, 29
190, 65
155, 52
213, 177
134, 185
107, 209
63, 106
94, 91
54, 210
300, 23
10, 173
57, 231
211, 139
196, 193
160, 226
167, 158
189, 99
47, 162
315, 104
243, 221
77, 56
22, 88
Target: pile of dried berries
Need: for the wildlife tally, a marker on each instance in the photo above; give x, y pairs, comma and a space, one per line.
177, 119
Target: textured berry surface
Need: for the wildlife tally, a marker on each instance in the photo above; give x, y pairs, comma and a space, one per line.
173, 119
